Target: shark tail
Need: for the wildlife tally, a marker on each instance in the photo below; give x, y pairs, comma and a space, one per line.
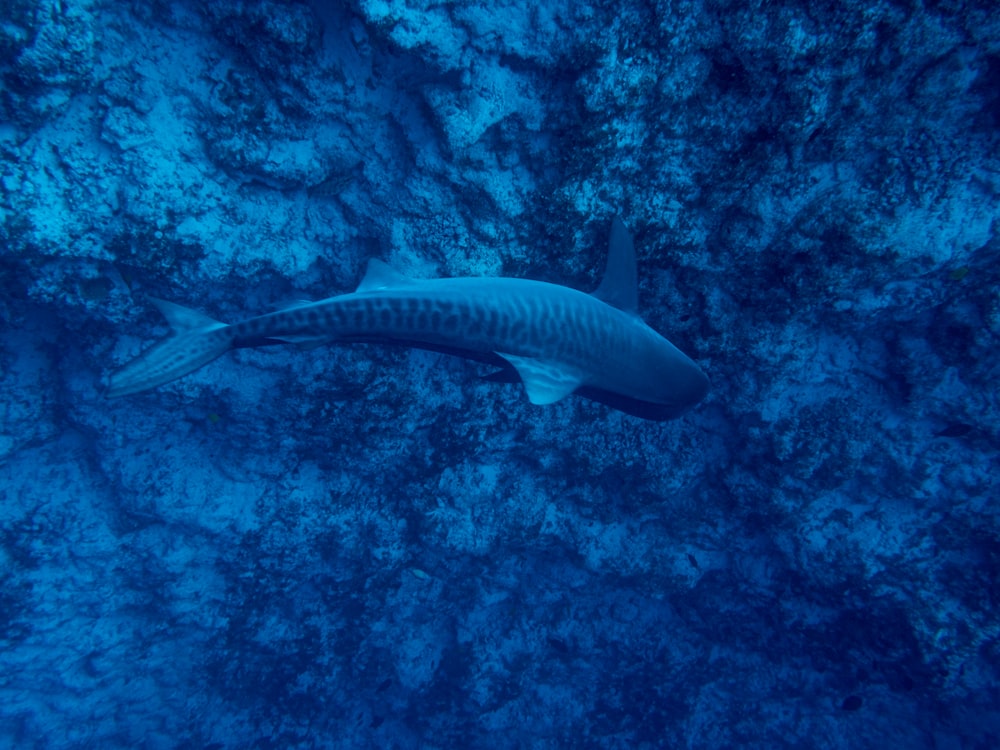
197, 340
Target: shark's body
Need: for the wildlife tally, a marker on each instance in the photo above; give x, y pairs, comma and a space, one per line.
558, 340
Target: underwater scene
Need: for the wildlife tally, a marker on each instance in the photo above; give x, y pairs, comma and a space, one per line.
518, 375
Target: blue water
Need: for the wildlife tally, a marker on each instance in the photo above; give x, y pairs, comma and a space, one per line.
366, 546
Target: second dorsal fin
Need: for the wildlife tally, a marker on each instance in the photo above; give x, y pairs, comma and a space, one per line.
381, 275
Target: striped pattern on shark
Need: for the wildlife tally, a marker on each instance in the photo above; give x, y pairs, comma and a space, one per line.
555, 339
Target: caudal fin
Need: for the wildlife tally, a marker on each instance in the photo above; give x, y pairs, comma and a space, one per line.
197, 340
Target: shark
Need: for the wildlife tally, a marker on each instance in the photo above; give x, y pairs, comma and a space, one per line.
554, 339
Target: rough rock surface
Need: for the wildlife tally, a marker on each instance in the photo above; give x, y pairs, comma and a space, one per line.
372, 547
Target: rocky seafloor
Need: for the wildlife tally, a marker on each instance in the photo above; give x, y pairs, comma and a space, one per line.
366, 546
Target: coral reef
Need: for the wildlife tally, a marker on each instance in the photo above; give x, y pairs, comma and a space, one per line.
373, 547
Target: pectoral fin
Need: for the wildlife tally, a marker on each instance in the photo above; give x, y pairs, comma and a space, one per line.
545, 382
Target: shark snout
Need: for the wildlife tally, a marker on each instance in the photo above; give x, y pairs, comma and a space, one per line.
690, 384
700, 385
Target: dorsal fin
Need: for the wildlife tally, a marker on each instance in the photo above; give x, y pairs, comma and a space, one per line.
620, 285
381, 275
